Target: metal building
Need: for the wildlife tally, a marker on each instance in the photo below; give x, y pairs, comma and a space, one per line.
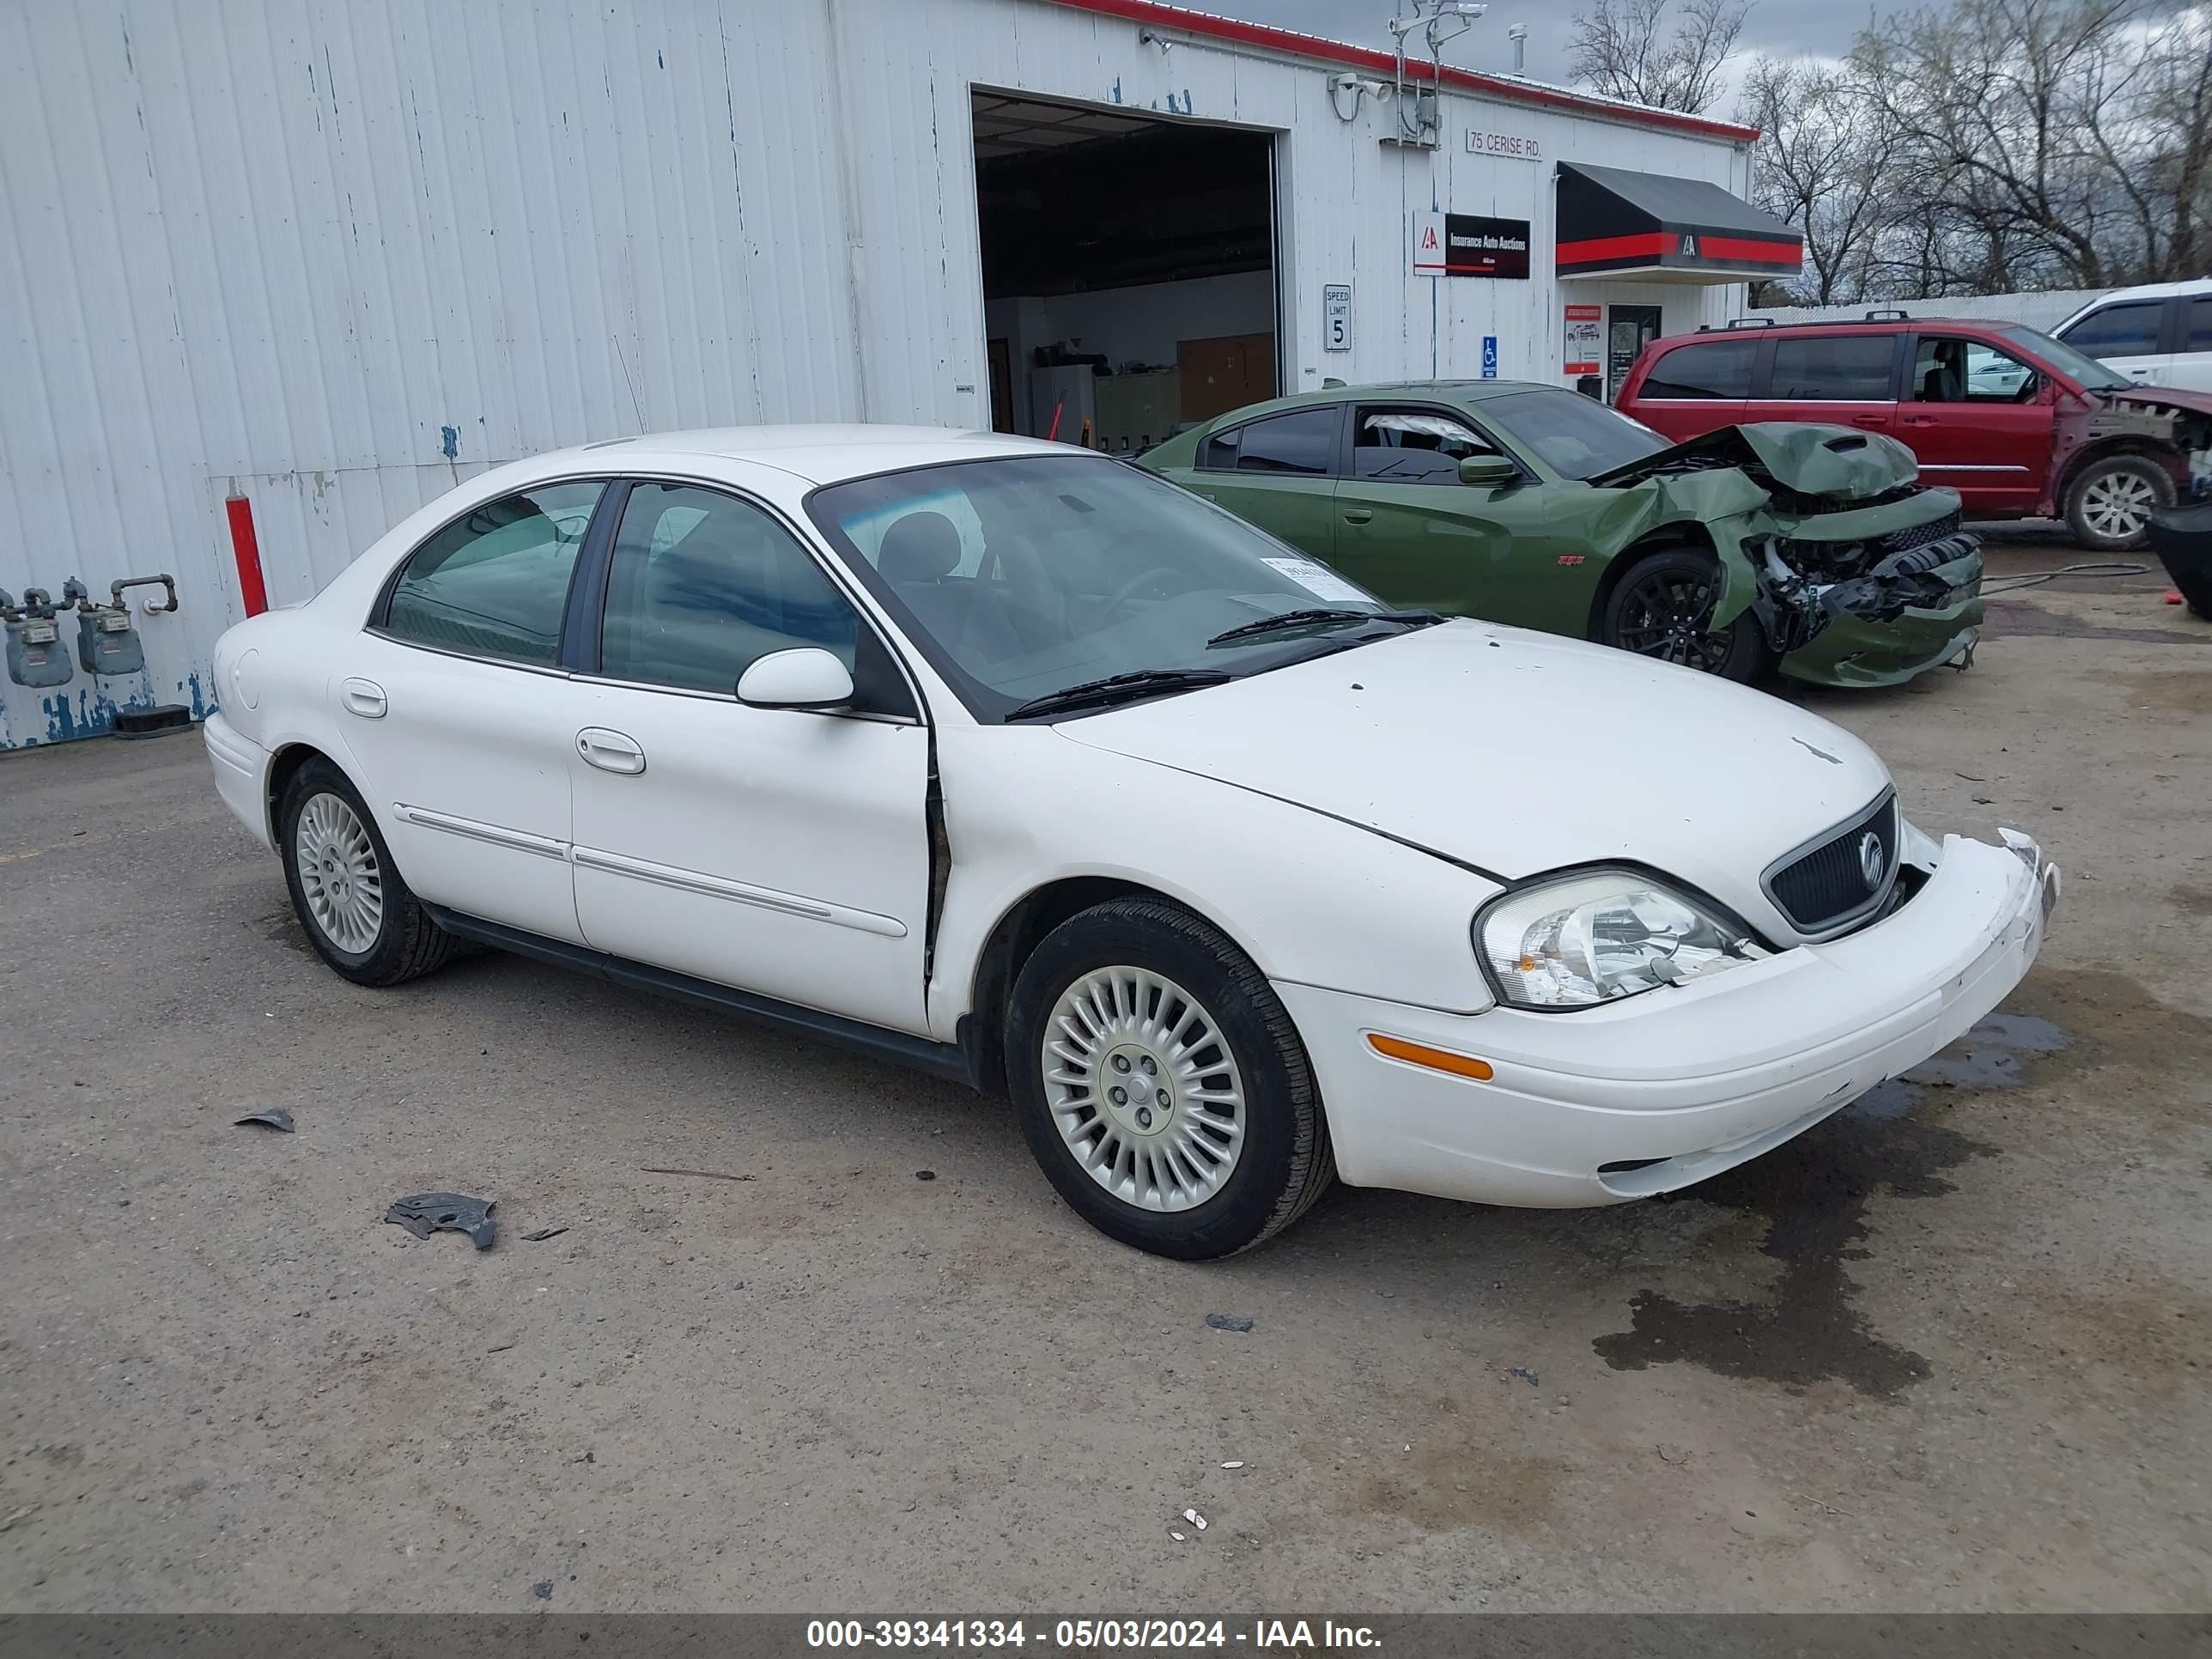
273, 273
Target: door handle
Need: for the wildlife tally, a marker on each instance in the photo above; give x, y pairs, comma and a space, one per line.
610, 751
365, 698
1876, 421
1916, 420
1358, 514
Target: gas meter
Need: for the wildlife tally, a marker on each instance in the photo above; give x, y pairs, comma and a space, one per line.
106, 643
35, 656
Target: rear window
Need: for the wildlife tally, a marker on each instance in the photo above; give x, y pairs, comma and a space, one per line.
1833, 369
1711, 369
1303, 442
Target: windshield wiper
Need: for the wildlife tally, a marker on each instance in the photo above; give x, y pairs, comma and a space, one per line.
1119, 688
1318, 616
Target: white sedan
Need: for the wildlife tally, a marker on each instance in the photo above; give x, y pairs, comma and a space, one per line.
1026, 767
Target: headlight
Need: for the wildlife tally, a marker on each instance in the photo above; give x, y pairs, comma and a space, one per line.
1587, 939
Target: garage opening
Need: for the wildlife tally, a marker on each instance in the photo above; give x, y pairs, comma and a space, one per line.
1128, 270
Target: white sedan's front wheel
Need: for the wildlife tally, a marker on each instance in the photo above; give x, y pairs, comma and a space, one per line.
1161, 1083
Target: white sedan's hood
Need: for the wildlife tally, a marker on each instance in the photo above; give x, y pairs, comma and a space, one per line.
1520, 752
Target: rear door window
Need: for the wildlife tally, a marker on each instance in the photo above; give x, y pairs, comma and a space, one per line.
494, 582
1833, 369
2127, 330
1303, 442
1708, 369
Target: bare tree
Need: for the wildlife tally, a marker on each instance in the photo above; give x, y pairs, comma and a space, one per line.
1823, 166
1654, 53
2175, 159
2055, 142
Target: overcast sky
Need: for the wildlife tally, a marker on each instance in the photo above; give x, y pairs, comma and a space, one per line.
1783, 27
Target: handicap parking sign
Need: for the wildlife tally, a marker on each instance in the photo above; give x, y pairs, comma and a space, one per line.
1490, 356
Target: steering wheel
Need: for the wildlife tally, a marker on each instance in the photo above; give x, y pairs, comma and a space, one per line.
1129, 589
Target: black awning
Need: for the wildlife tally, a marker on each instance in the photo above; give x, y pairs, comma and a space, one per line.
1616, 222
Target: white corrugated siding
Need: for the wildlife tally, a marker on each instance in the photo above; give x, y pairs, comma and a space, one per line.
2045, 310
336, 255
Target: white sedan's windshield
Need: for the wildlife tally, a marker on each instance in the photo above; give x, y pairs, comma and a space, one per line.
1019, 578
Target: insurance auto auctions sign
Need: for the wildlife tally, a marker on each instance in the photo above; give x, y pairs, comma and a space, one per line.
1466, 245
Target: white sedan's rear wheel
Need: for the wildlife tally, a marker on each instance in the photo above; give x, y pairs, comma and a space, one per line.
340, 875
1161, 1083
361, 918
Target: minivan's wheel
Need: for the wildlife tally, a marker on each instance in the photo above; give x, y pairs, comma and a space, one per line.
1662, 607
2110, 501
360, 916
1161, 1083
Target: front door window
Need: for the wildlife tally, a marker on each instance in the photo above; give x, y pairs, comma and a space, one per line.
1948, 369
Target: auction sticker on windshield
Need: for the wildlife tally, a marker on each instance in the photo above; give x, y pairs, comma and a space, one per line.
1320, 580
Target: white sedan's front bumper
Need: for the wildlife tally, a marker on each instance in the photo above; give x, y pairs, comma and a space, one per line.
1698, 1078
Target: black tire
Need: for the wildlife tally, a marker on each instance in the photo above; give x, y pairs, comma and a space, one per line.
2094, 497
406, 943
1286, 1162
1654, 610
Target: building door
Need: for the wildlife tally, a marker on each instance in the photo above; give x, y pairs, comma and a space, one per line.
1002, 385
1628, 330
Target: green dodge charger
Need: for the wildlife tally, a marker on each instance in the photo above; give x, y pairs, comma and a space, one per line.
1807, 545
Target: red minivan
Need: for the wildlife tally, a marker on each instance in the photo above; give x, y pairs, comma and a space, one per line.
2015, 421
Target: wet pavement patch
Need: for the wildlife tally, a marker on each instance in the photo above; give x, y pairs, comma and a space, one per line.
1989, 1056
2001, 616
1813, 1193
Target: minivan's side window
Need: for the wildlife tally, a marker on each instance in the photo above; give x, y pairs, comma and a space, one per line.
1711, 369
1412, 446
1303, 441
1833, 369
703, 583
2128, 329
1950, 370
495, 583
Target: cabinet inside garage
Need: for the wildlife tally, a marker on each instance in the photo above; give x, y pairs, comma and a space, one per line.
1129, 268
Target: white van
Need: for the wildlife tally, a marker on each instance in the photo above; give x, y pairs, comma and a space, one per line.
2160, 335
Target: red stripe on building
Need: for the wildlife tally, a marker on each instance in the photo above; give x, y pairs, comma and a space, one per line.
1290, 41
246, 548
1662, 243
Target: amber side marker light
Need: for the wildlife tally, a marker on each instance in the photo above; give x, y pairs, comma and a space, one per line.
1436, 1059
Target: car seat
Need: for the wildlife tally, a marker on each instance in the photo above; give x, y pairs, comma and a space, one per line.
917, 557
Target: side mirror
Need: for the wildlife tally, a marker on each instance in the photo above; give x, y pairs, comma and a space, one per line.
805, 678
1487, 470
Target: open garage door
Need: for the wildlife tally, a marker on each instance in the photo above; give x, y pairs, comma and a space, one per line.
1129, 268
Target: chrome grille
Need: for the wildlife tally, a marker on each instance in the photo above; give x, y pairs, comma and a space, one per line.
1822, 888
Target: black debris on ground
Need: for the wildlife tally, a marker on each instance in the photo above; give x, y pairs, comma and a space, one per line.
447, 1213
274, 1117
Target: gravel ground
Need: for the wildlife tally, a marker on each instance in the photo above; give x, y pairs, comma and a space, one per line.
1946, 1351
